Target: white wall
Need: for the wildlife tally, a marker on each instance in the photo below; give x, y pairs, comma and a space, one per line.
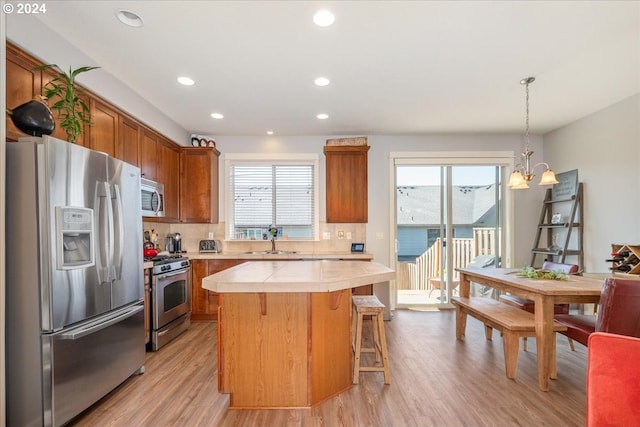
527, 203
605, 148
37, 39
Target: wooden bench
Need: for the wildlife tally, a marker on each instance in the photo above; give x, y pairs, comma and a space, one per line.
511, 321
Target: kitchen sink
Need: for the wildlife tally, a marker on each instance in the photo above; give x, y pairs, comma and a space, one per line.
271, 252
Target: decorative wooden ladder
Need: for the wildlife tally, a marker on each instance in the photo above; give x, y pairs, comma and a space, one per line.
556, 250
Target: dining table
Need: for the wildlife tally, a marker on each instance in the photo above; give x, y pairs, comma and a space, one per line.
545, 293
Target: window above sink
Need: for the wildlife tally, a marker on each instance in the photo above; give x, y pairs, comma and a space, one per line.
265, 190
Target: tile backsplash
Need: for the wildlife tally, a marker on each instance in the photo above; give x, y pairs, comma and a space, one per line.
338, 240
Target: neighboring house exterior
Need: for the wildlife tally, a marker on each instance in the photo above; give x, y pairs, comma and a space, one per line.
419, 215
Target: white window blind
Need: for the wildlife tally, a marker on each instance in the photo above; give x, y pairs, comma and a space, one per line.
277, 194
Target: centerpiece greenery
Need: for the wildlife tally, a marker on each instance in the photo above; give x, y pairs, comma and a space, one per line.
533, 273
71, 109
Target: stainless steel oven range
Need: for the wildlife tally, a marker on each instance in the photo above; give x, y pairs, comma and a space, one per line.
170, 298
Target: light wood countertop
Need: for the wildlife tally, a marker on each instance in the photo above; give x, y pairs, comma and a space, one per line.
297, 276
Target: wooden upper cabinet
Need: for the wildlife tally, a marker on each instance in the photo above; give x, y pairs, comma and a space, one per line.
148, 154
199, 185
129, 140
168, 173
113, 132
346, 183
103, 132
22, 84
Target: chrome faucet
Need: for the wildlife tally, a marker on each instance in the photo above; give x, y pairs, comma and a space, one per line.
273, 231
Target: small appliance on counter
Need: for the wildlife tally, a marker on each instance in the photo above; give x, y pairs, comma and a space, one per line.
210, 246
174, 243
149, 248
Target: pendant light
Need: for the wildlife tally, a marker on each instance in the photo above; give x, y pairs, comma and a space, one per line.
523, 173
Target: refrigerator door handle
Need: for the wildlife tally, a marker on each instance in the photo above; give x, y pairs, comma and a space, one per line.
99, 325
104, 232
119, 232
110, 225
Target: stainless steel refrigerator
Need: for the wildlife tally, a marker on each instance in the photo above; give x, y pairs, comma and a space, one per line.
75, 325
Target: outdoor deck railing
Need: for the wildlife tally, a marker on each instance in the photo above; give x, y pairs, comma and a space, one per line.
416, 275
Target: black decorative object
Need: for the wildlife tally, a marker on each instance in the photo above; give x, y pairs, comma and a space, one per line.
33, 118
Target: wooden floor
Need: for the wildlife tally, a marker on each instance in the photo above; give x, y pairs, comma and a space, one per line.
436, 381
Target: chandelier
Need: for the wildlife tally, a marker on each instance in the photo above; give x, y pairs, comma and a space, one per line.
523, 173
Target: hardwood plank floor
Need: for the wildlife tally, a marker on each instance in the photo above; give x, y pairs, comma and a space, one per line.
435, 381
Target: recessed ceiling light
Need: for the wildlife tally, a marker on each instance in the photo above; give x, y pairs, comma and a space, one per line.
322, 116
217, 116
129, 18
187, 81
321, 81
323, 18
269, 132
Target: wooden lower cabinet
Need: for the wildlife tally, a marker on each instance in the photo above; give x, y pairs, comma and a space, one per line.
284, 350
204, 303
363, 290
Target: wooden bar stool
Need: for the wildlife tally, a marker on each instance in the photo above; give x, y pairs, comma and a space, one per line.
364, 305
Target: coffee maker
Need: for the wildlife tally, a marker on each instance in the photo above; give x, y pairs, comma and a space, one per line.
174, 243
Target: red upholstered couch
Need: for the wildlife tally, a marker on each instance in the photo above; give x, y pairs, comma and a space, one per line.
613, 380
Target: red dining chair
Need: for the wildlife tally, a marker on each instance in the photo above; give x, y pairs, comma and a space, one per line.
613, 380
618, 312
529, 305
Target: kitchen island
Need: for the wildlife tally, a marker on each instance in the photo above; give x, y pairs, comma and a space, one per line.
284, 329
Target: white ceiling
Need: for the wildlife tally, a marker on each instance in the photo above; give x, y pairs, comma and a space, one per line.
396, 67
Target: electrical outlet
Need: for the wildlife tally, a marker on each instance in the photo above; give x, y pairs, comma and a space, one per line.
211, 235
326, 235
379, 235
340, 234
348, 235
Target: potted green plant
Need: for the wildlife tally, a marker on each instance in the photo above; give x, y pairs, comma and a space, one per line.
72, 111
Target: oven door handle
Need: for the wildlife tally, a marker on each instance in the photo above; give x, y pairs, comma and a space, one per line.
173, 273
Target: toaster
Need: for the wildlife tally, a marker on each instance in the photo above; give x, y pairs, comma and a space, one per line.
210, 246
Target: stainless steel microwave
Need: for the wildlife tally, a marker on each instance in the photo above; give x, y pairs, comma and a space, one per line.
152, 197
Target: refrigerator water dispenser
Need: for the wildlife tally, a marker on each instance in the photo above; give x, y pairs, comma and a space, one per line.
74, 233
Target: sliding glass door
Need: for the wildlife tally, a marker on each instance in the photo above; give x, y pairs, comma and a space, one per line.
446, 216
